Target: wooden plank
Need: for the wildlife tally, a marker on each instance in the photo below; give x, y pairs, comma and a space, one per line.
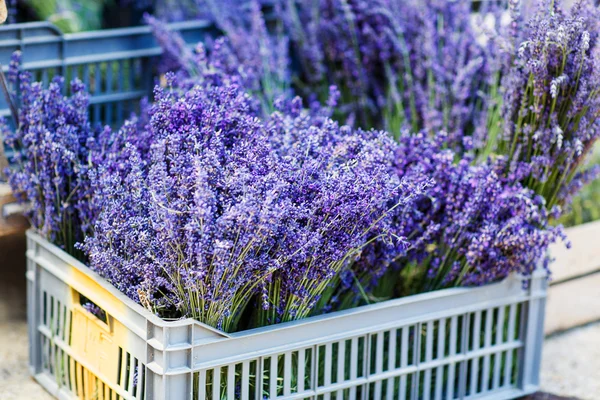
584, 255
573, 303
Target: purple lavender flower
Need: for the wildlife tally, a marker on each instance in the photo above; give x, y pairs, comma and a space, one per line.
400, 64
471, 227
230, 209
248, 55
13, 68
52, 147
551, 99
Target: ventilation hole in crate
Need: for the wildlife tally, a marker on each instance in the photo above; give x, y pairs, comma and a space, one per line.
60, 319
410, 382
389, 352
135, 377
120, 366
93, 308
480, 376
127, 371
97, 79
454, 384
279, 375
136, 73
445, 338
468, 377
51, 320
45, 354
80, 373
460, 342
320, 365
334, 357
71, 369
515, 367
412, 344
308, 368
65, 324
495, 325
74, 377
400, 362
485, 316
45, 308
142, 381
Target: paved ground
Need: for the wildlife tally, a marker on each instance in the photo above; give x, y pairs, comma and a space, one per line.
570, 368
571, 363
15, 383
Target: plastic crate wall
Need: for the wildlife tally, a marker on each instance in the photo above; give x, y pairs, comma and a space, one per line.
462, 343
114, 64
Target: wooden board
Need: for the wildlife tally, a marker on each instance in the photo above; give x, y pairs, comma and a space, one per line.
584, 255
573, 303
574, 294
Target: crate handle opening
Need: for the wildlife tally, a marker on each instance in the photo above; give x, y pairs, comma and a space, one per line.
91, 308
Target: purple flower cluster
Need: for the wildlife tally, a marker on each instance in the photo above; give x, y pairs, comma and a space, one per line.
552, 101
56, 153
52, 148
230, 202
471, 227
229, 209
343, 43
444, 73
248, 55
399, 64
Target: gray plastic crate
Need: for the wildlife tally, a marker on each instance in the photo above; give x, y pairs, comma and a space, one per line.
463, 343
114, 64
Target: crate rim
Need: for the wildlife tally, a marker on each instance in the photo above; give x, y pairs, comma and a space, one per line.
160, 322
137, 29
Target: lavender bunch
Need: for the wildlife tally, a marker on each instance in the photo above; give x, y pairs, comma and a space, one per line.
444, 72
552, 101
343, 43
229, 210
343, 190
248, 55
471, 227
53, 146
174, 234
400, 64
